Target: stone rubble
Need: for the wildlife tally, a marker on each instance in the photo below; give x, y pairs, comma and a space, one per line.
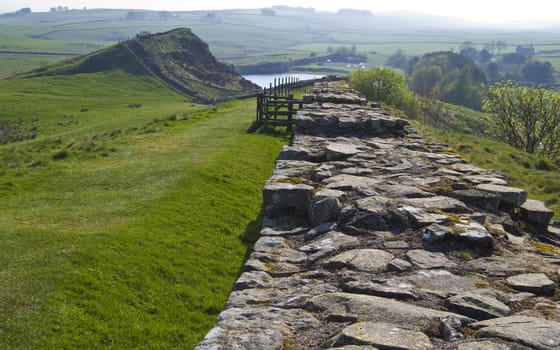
373, 238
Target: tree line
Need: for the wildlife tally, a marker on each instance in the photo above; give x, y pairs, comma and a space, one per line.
523, 116
456, 77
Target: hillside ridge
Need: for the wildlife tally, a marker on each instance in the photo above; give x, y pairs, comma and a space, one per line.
178, 57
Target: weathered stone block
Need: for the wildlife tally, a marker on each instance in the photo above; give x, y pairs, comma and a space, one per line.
536, 283
510, 195
478, 306
280, 196
341, 151
536, 333
383, 335
536, 212
478, 198
293, 153
324, 209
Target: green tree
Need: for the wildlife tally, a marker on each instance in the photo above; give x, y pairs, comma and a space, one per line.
387, 86
526, 118
538, 72
465, 91
397, 60
381, 85
426, 81
449, 76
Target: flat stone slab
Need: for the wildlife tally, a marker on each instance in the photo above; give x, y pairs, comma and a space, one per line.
439, 282
474, 232
478, 198
292, 168
285, 292
478, 306
256, 328
346, 182
295, 319
373, 204
380, 290
242, 338
536, 212
293, 153
536, 283
395, 245
486, 179
394, 191
535, 332
423, 217
341, 151
326, 193
399, 265
503, 265
446, 204
327, 243
428, 260
482, 345
366, 260
510, 195
254, 279
383, 335
436, 232
356, 307
271, 244
357, 171
275, 265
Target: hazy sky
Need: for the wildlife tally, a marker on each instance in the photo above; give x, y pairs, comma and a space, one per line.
484, 10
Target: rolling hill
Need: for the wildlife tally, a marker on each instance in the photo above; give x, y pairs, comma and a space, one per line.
178, 57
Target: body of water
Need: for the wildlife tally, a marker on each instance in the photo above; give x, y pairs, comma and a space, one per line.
264, 80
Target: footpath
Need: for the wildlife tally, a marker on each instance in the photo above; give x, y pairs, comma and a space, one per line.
375, 239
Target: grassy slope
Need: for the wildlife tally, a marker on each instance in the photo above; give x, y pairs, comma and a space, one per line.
134, 236
461, 131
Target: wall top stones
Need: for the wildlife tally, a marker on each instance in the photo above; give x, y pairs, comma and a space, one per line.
373, 236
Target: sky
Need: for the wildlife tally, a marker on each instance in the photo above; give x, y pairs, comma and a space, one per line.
480, 10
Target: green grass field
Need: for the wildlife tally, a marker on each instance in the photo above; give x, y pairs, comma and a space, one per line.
122, 227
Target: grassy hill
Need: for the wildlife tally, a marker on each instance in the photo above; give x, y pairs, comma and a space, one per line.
121, 227
177, 57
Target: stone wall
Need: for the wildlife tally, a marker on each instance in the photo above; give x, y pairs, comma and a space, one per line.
374, 238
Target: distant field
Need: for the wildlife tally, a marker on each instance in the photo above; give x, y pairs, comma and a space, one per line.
246, 37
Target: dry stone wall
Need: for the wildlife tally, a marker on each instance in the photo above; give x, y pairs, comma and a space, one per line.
376, 239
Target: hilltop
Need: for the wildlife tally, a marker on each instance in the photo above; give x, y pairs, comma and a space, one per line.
178, 57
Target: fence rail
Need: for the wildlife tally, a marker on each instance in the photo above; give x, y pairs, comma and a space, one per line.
276, 105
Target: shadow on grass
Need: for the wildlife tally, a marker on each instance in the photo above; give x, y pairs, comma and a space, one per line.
250, 236
279, 131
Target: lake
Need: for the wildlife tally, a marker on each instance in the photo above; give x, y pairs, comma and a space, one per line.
264, 80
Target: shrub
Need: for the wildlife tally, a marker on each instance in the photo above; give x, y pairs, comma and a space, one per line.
526, 118
387, 86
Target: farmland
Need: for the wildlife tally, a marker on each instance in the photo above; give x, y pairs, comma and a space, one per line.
244, 37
